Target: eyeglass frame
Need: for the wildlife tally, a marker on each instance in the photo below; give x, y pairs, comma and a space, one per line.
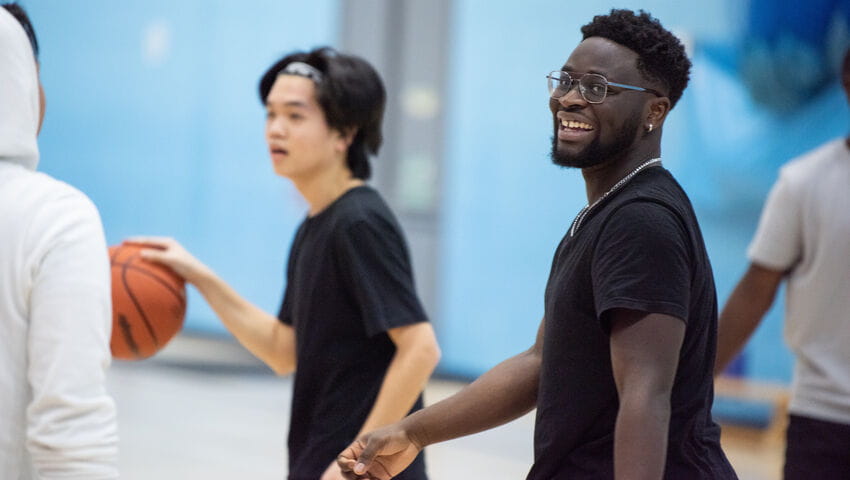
581, 89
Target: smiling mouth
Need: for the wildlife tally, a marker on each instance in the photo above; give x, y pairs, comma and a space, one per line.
574, 125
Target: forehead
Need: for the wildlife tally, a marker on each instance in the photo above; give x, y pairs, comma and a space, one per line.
291, 89
600, 55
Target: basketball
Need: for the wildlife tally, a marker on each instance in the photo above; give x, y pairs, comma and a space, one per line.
148, 304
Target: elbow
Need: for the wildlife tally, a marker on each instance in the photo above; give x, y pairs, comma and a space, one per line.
436, 354
416, 348
76, 438
429, 354
283, 371
282, 368
650, 403
422, 348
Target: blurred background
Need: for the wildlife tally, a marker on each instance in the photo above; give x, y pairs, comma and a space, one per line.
153, 111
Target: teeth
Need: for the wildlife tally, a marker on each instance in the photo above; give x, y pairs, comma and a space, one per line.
574, 124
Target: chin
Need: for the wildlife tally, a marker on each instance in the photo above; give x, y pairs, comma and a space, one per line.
586, 157
281, 171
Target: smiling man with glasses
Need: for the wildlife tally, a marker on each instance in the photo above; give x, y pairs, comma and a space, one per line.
621, 371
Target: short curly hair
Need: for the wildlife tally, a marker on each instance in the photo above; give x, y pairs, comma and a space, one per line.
661, 56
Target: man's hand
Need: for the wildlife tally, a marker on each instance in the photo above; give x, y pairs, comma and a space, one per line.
379, 455
170, 253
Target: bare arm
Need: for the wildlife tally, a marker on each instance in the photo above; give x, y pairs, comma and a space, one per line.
744, 310
263, 334
504, 393
416, 357
644, 357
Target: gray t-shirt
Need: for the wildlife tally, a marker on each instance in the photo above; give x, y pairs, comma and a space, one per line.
805, 230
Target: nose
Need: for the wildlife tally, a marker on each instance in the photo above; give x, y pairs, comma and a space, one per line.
276, 127
572, 96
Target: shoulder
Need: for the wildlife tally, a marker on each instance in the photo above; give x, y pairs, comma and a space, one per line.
64, 219
40, 197
644, 215
810, 166
363, 207
645, 222
366, 223
655, 198
51, 219
657, 184
63, 202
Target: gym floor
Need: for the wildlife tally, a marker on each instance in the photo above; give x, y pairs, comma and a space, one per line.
206, 409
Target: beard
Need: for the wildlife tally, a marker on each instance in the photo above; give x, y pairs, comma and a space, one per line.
597, 153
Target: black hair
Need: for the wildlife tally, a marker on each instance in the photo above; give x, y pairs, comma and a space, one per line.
352, 96
661, 56
20, 15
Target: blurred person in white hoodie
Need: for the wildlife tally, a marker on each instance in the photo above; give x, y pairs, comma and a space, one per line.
56, 418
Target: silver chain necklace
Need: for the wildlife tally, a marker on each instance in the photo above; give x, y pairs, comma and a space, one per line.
584, 211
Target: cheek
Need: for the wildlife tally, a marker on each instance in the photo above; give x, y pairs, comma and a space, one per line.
554, 105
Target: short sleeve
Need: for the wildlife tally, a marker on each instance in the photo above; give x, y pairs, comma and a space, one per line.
284, 314
778, 240
642, 262
377, 271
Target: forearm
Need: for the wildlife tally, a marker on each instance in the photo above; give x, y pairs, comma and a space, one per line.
261, 333
640, 438
404, 381
743, 312
504, 393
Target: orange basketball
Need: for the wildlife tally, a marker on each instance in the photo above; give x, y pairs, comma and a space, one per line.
148, 304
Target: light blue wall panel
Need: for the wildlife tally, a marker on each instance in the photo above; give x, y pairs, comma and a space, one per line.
153, 111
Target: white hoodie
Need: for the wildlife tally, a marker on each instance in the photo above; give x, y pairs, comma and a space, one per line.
56, 418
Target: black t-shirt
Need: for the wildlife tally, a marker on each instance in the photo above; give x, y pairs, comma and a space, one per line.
640, 249
349, 280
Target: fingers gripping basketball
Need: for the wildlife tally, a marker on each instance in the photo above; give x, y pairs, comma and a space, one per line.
148, 304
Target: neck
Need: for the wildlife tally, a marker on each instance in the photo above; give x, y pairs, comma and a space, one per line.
324, 188
598, 179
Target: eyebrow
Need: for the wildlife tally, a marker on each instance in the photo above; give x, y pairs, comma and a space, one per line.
289, 103
567, 68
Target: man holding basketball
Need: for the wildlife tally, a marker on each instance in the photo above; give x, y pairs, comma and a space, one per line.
621, 371
56, 418
351, 326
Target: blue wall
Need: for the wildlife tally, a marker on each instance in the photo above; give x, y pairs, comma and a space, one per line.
153, 112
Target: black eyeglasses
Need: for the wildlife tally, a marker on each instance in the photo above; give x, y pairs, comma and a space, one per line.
592, 86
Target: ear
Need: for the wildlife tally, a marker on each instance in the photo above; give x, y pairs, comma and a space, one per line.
656, 112
345, 138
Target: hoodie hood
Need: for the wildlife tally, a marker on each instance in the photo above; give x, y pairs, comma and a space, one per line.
19, 105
